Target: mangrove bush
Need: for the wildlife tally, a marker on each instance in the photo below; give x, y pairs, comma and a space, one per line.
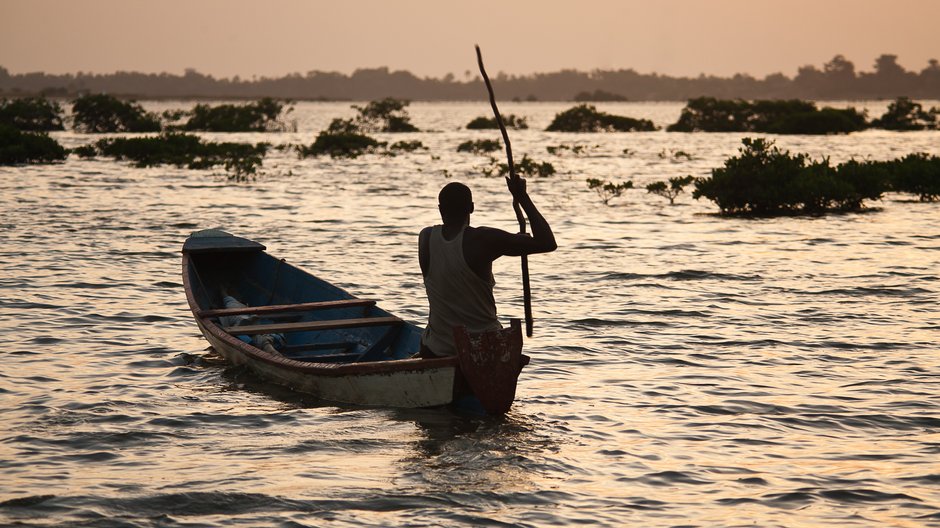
341, 139
406, 146
904, 114
708, 114
576, 150
260, 116
671, 189
763, 180
608, 190
36, 114
586, 118
384, 115
528, 167
511, 121
99, 113
479, 146
917, 174
18, 147
184, 150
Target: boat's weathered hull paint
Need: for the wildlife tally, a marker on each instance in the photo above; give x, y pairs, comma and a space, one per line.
397, 383
375, 367
418, 386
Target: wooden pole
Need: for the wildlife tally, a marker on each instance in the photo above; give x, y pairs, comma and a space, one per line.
526, 290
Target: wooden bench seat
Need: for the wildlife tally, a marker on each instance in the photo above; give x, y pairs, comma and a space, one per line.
278, 308
311, 326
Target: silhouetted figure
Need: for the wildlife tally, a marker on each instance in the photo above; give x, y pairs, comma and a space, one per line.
457, 263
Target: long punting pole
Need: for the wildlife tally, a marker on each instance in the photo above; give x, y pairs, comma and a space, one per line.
526, 290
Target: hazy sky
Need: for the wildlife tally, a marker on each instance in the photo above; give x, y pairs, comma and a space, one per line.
434, 37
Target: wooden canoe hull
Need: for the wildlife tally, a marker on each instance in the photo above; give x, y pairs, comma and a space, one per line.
410, 387
385, 373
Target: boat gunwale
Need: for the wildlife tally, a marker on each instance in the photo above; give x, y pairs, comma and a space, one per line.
306, 367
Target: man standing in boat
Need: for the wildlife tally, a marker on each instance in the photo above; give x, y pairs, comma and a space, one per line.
457, 263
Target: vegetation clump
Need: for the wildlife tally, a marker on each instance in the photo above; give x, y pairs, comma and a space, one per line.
608, 190
19, 147
598, 96
184, 150
708, 114
100, 113
675, 155
341, 139
586, 118
479, 146
904, 114
763, 180
671, 189
528, 167
576, 150
511, 121
31, 113
384, 115
915, 174
261, 116
406, 146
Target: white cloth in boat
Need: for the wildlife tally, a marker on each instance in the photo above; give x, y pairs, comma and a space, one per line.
268, 342
456, 295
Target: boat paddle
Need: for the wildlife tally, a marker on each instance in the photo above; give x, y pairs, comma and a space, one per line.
526, 290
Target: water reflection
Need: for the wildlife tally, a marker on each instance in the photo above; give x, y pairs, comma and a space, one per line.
686, 368
475, 455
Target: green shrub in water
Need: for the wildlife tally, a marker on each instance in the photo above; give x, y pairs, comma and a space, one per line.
608, 190
99, 113
384, 115
260, 116
406, 146
341, 140
18, 147
904, 114
511, 121
479, 146
560, 150
915, 174
671, 189
528, 167
185, 150
708, 114
586, 118
85, 151
31, 113
763, 180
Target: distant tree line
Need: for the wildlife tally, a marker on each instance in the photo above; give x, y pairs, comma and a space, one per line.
837, 79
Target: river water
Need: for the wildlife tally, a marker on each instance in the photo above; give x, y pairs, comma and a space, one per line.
687, 369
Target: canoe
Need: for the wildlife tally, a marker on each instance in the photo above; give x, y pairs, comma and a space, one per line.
297, 330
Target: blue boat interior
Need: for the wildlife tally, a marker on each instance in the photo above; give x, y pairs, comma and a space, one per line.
258, 279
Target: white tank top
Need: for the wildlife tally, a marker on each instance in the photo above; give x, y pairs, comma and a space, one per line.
456, 295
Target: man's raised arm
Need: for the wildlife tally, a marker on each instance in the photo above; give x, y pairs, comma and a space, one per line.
543, 239
495, 243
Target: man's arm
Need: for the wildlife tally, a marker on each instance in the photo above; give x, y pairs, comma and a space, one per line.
542, 233
495, 243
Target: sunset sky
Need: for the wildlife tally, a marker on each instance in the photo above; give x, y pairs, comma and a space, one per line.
433, 38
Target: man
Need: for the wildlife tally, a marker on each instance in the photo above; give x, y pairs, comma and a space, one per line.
457, 264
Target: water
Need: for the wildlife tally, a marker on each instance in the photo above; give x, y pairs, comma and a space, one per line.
687, 369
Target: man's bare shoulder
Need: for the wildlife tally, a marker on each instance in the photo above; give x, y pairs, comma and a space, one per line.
486, 232
489, 237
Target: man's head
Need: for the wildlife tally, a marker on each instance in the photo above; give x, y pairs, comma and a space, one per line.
455, 202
